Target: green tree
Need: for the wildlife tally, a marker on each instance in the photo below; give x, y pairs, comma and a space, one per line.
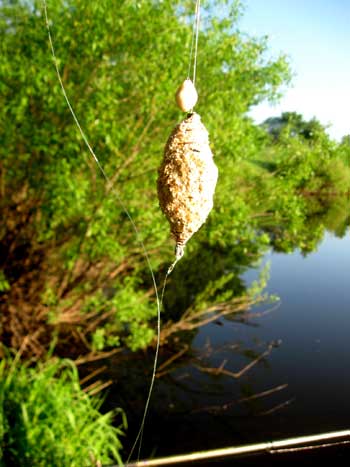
295, 126
305, 157
68, 254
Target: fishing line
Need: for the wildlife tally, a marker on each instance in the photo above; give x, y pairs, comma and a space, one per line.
124, 208
197, 23
194, 43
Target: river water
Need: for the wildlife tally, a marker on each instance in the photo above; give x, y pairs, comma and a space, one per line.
300, 383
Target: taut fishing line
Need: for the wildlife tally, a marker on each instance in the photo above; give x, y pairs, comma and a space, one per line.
188, 174
124, 208
186, 182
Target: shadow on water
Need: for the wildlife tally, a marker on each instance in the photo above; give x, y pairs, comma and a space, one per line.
196, 272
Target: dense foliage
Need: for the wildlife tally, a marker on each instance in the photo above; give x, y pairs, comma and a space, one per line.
46, 418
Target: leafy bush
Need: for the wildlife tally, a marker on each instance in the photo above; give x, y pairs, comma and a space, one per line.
47, 420
305, 157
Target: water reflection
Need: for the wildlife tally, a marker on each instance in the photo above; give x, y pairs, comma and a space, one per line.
201, 274
321, 214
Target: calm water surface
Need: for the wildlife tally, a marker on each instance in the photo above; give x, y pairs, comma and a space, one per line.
305, 377
313, 325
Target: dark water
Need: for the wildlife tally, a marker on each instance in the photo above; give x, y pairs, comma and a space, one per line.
301, 386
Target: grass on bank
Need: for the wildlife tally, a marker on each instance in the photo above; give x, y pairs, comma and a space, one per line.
47, 420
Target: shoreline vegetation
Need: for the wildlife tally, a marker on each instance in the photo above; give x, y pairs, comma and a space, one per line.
46, 418
73, 279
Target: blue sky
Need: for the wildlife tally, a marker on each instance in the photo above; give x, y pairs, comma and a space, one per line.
315, 34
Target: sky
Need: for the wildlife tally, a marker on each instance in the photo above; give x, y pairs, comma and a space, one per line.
315, 34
